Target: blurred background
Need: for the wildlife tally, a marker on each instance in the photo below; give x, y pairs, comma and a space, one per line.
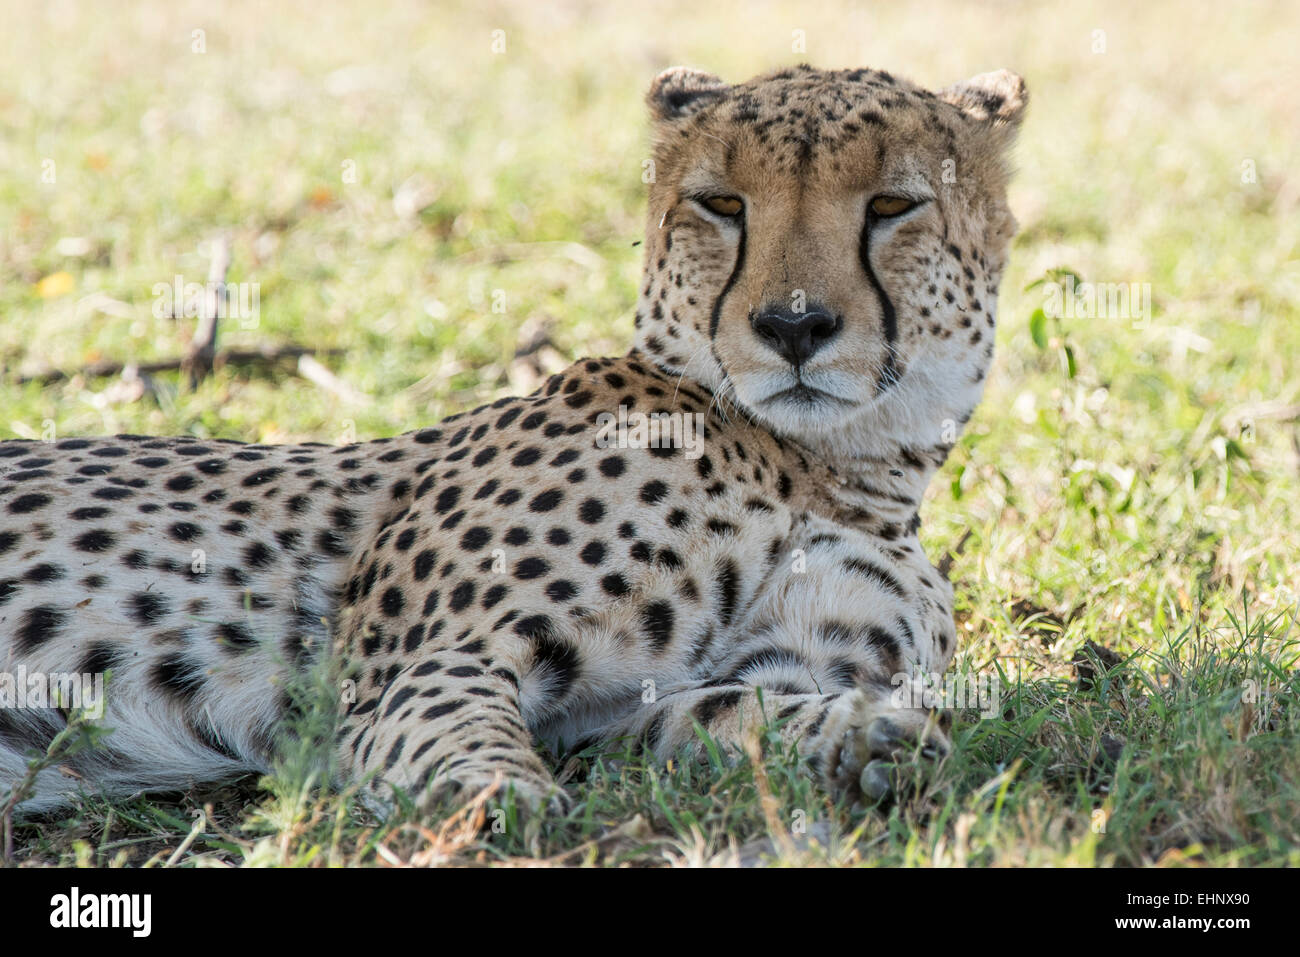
442, 200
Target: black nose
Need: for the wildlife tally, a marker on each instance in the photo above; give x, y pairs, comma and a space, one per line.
795, 335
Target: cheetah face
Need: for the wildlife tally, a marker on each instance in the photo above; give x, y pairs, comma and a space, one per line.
824, 247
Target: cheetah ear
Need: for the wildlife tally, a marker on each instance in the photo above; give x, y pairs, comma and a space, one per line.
680, 91
998, 98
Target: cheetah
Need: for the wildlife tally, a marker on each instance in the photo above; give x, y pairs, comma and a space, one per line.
822, 257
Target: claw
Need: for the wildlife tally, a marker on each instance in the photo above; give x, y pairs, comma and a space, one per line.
877, 780
884, 737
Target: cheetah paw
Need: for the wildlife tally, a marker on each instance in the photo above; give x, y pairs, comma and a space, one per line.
869, 744
531, 797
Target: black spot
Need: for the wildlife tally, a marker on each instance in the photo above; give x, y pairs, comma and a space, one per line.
112, 493
94, 541
558, 660
461, 596
615, 585
332, 542
546, 501
669, 558
728, 591
261, 477
414, 637
873, 572
37, 626
180, 679
29, 503
400, 698
657, 617
708, 709
526, 457
561, 590
531, 567
447, 499
884, 640
45, 572
258, 555
653, 492
101, 657
591, 511
439, 710
148, 607
392, 602
424, 563
518, 536
185, 531
564, 458
235, 637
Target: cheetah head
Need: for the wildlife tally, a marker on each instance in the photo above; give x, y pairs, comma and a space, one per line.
824, 248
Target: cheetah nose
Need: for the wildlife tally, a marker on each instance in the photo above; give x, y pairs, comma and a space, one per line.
795, 336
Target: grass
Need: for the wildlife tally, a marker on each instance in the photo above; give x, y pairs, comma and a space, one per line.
1126, 485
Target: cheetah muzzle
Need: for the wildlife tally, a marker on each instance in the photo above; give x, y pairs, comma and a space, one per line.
823, 251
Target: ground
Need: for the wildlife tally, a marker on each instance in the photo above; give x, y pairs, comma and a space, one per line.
430, 198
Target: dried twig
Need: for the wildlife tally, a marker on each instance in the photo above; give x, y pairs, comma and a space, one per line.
111, 367
946, 562
198, 362
313, 371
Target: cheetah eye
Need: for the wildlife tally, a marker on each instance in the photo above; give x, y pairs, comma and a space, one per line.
891, 205
723, 205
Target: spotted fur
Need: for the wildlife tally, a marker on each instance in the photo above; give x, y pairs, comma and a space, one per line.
502, 578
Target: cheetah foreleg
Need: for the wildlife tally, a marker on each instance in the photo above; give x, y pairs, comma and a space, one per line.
854, 743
